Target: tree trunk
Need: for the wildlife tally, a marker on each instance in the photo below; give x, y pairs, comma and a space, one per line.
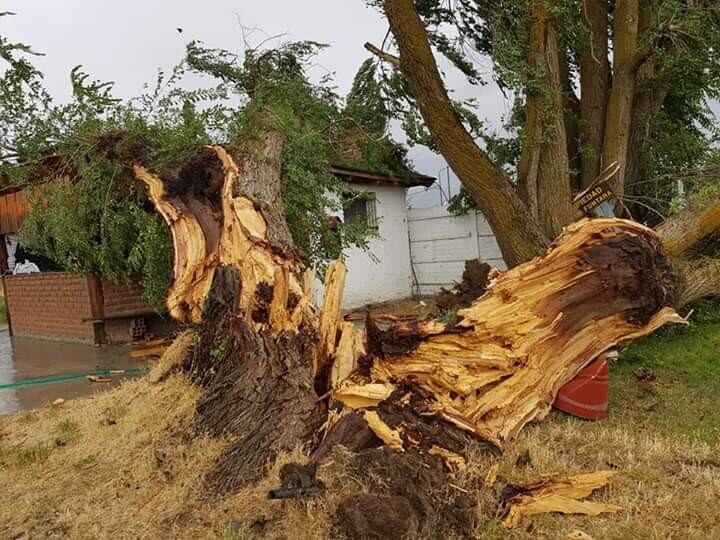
236, 272
544, 169
683, 235
274, 372
701, 278
594, 88
571, 114
519, 234
686, 229
650, 93
619, 108
648, 101
604, 282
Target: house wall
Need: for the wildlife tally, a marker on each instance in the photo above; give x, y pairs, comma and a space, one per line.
440, 243
49, 305
382, 272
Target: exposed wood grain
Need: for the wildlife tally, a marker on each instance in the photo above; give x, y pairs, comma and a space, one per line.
603, 283
562, 495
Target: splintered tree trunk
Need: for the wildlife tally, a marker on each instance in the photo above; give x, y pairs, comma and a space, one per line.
602, 283
236, 273
278, 374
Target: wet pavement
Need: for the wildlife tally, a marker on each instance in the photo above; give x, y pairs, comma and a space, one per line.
22, 359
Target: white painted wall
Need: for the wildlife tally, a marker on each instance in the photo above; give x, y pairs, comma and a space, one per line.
383, 272
440, 243
419, 250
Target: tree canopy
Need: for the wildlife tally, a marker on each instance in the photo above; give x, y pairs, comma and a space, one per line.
96, 217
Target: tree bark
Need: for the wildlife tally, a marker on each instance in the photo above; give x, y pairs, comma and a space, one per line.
236, 273
648, 101
544, 168
594, 88
519, 234
619, 108
650, 93
683, 231
701, 278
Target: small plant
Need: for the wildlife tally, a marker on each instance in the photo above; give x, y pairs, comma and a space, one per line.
66, 431
31, 455
217, 352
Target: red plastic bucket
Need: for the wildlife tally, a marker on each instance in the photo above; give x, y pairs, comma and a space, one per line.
586, 395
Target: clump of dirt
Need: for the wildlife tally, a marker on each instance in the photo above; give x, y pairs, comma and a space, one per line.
401, 338
473, 285
407, 493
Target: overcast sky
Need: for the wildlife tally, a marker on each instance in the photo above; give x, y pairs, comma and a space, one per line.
128, 41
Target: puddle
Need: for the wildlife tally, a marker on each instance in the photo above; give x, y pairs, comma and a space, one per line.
22, 359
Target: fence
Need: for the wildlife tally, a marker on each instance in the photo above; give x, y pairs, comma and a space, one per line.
440, 243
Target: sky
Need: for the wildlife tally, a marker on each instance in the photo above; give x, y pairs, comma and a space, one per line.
126, 42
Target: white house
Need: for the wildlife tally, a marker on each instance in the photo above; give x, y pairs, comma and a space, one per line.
418, 251
383, 271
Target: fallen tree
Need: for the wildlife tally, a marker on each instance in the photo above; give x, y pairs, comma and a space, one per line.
525, 215
278, 372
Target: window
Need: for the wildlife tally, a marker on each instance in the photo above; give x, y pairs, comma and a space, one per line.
362, 210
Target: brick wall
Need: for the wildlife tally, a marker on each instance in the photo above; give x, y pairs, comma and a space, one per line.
120, 299
50, 305
123, 298
54, 304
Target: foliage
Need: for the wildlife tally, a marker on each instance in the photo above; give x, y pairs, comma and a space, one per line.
96, 218
319, 131
680, 43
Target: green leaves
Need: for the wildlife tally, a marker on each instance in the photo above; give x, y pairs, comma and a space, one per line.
99, 219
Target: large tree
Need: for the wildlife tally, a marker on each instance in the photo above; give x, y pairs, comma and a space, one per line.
595, 79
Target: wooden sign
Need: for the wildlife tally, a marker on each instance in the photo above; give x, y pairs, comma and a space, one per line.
597, 200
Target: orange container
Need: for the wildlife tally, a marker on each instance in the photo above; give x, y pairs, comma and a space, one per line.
586, 395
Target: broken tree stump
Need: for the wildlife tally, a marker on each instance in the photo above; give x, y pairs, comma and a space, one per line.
275, 370
603, 282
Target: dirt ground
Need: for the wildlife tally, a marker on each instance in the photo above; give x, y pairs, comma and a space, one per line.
121, 465
127, 464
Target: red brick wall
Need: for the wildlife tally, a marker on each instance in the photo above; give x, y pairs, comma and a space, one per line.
123, 298
50, 305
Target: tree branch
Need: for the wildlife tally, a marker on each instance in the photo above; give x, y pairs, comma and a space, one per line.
684, 230
518, 232
382, 55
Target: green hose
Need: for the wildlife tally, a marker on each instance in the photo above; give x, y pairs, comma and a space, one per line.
72, 377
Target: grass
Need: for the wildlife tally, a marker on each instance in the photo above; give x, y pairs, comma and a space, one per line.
3, 311
126, 467
682, 400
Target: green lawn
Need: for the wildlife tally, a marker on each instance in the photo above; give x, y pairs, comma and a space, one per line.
683, 400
